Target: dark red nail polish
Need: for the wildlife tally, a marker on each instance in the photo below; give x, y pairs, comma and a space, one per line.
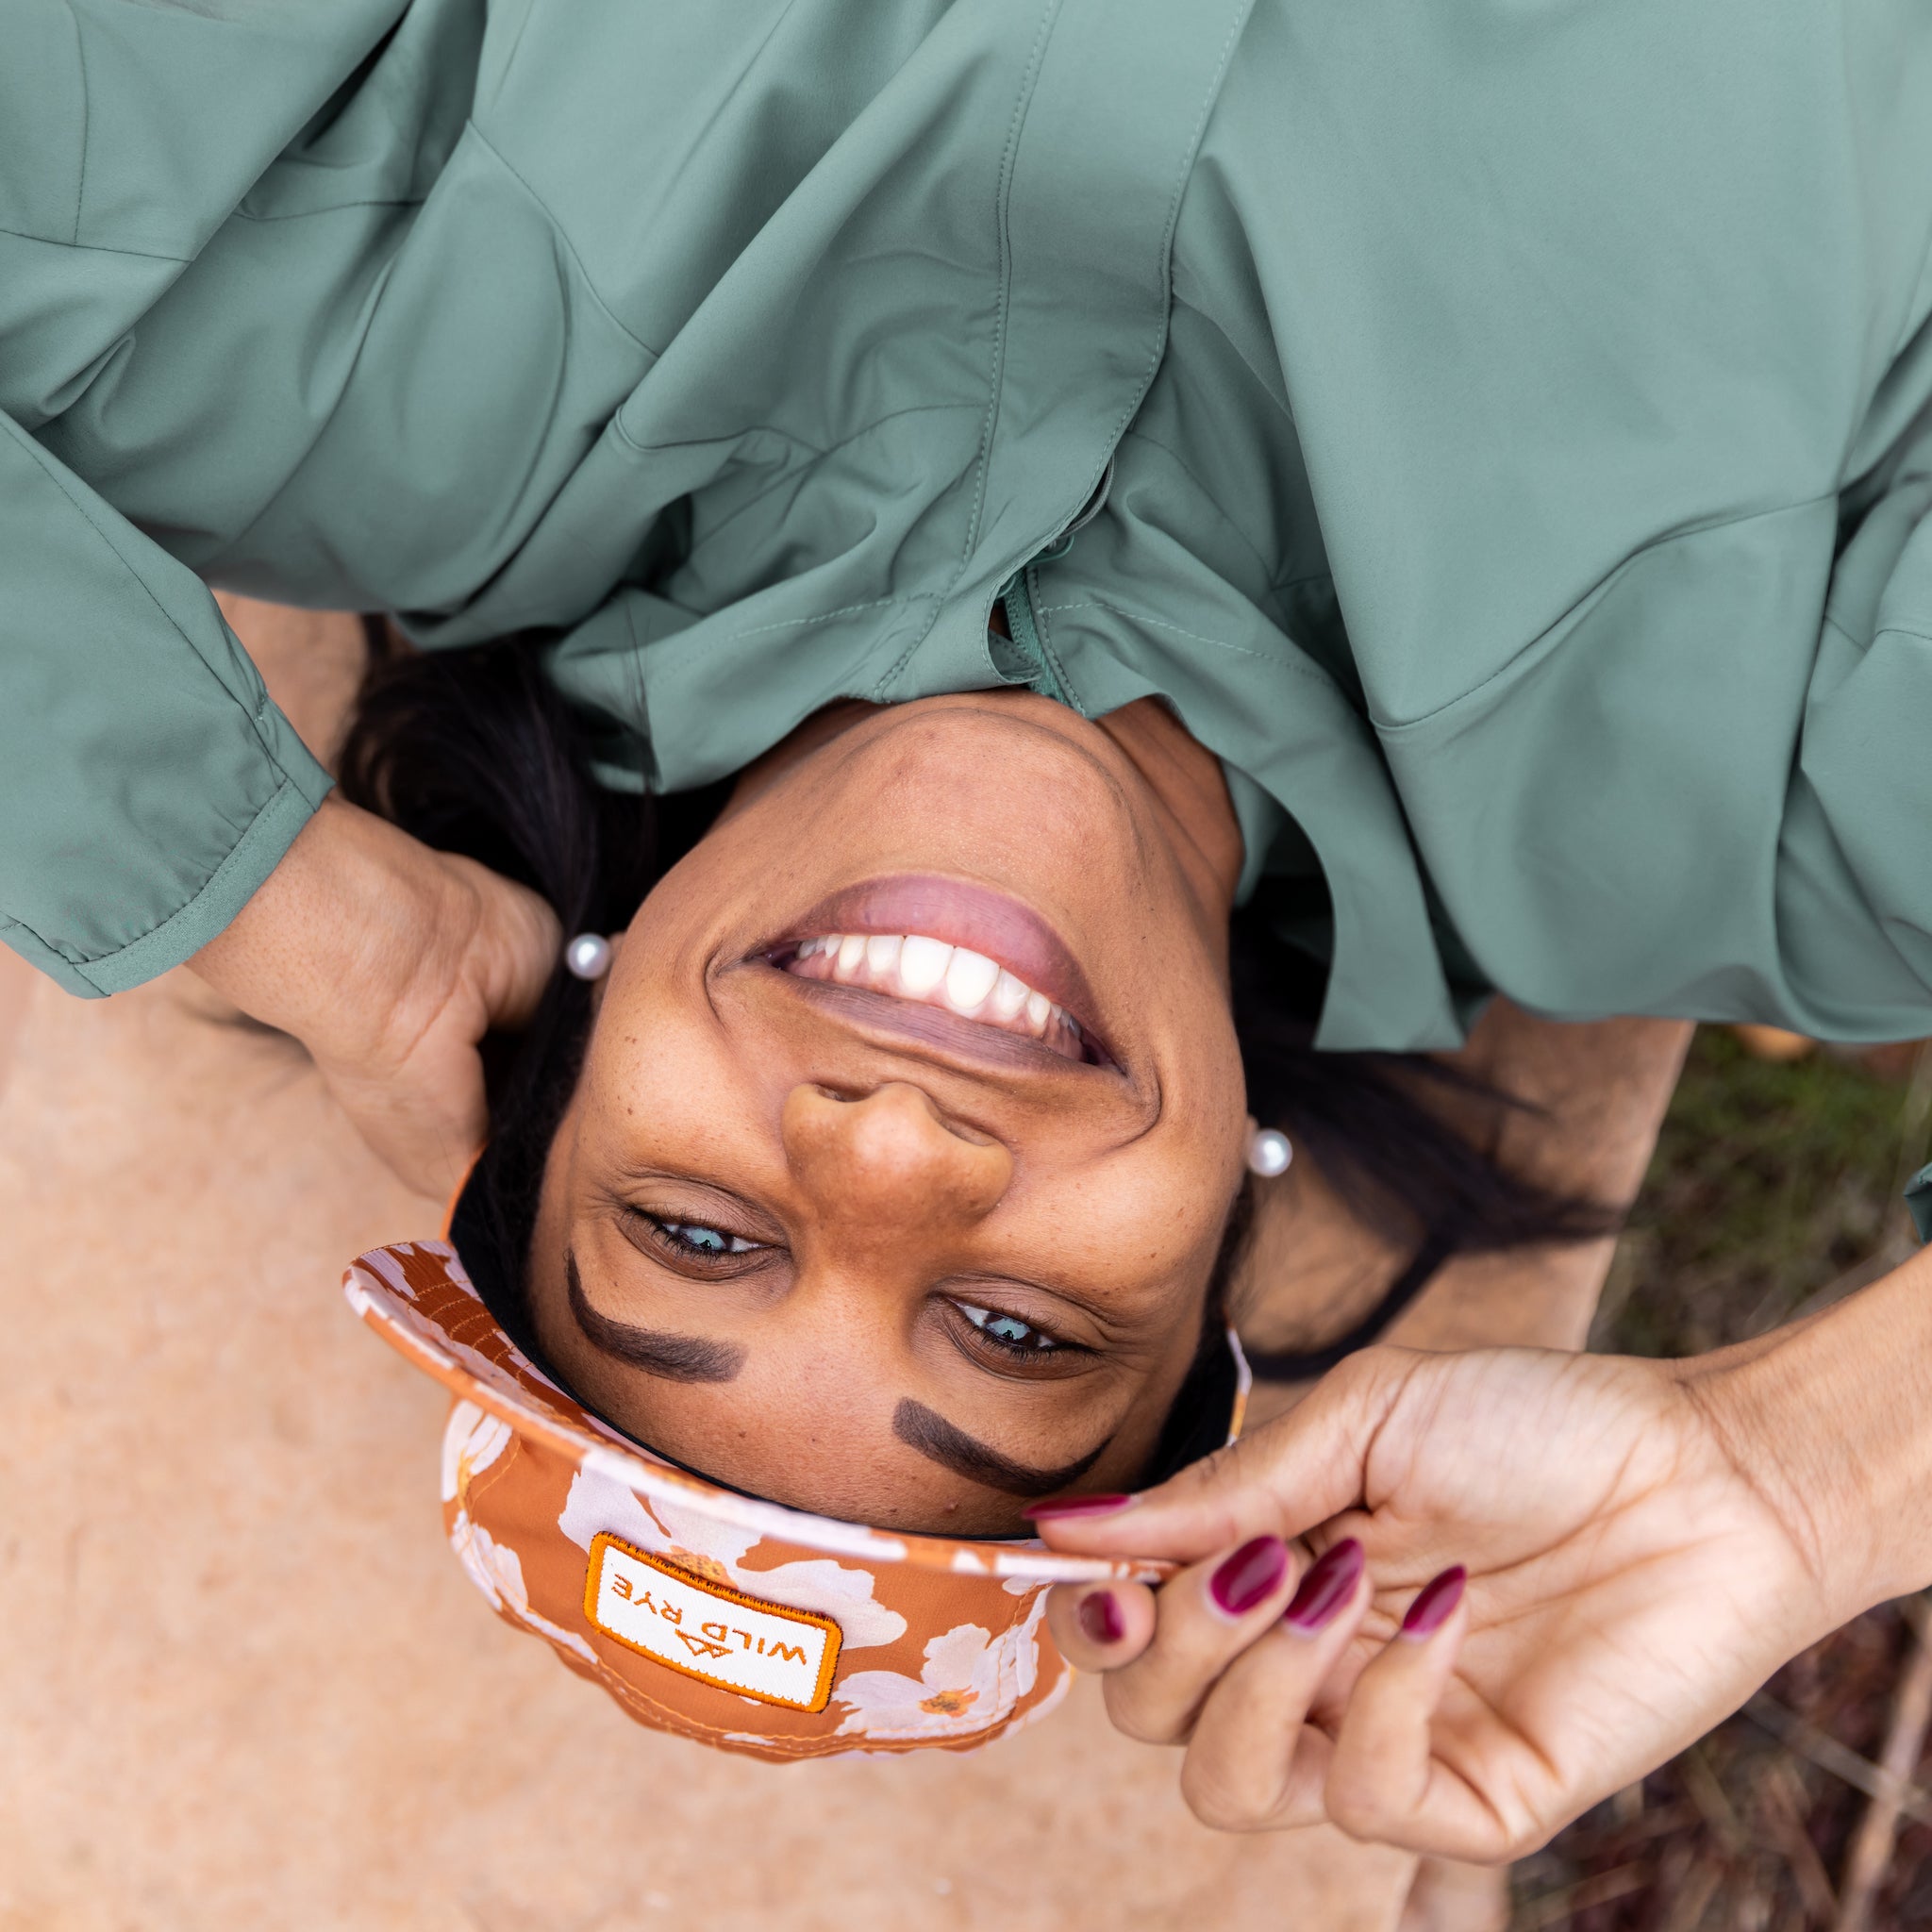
1249, 1575
1329, 1583
1435, 1604
1075, 1505
1099, 1617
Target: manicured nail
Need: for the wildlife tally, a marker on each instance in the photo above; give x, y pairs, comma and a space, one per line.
1329, 1583
1075, 1505
1435, 1604
1249, 1575
1099, 1617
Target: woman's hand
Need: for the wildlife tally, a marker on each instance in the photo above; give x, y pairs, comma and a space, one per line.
390, 962
1636, 1569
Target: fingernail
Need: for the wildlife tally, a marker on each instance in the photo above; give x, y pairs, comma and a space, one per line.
1435, 1604
1099, 1617
1249, 1575
1329, 1583
1075, 1505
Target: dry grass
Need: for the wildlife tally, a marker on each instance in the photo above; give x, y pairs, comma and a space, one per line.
1775, 1191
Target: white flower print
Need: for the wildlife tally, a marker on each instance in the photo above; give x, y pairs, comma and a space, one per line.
497, 1571
968, 1682
472, 1438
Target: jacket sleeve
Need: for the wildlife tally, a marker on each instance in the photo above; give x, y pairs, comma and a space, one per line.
147, 786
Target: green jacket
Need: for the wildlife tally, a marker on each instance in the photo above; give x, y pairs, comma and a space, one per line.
1509, 426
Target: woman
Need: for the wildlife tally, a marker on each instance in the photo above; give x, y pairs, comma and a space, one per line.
1478, 460
810, 1149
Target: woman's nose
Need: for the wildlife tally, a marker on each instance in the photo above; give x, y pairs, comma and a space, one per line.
889, 1159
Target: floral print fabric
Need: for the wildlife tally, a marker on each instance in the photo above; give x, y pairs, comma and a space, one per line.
943, 1641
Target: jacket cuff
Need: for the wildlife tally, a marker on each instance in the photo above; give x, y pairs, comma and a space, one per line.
228, 887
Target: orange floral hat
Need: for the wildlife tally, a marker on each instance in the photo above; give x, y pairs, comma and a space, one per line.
746, 1626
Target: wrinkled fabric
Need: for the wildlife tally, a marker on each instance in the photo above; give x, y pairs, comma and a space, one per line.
1516, 424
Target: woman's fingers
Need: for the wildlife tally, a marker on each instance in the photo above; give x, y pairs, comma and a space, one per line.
1252, 1764
1099, 1626
1299, 1471
1205, 1617
1385, 1784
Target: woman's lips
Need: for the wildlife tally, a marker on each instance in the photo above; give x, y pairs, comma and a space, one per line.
916, 967
1024, 962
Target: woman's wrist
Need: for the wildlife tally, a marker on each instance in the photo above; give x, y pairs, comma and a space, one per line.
341, 944
1831, 1420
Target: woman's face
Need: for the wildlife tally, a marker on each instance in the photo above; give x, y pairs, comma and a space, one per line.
834, 1222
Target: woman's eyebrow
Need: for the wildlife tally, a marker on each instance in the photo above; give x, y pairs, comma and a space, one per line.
932, 1434
676, 1357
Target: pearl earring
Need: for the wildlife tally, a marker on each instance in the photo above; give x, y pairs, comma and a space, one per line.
588, 956
1270, 1151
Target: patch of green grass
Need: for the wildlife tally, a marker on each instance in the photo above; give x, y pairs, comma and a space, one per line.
1772, 1184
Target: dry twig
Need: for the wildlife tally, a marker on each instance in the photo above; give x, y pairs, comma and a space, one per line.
1784, 1804
1792, 1731
1904, 1741
1689, 1905
1599, 1889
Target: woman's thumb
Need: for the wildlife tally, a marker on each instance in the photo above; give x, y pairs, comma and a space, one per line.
1280, 1479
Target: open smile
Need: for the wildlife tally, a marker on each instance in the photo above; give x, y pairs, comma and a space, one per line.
959, 948
929, 972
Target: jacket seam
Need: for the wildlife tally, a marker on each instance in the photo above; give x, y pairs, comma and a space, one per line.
333, 208
1002, 218
1910, 328
86, 120
996, 376
90, 966
9, 924
812, 452
1164, 253
844, 610
563, 237
98, 247
1181, 463
1503, 672
1163, 278
56, 475
1900, 630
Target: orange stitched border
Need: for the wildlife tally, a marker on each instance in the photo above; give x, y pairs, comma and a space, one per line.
593, 1572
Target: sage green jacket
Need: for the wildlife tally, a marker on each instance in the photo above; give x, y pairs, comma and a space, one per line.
1508, 426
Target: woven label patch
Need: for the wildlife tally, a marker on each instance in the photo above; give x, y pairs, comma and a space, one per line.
708, 1630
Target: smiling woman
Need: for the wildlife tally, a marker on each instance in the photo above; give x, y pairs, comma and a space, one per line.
1065, 575
894, 1169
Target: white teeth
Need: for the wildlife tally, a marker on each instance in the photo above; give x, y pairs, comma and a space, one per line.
1008, 996
913, 967
969, 979
922, 964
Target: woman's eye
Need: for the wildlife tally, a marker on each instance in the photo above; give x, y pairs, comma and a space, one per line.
694, 1237
1009, 1331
